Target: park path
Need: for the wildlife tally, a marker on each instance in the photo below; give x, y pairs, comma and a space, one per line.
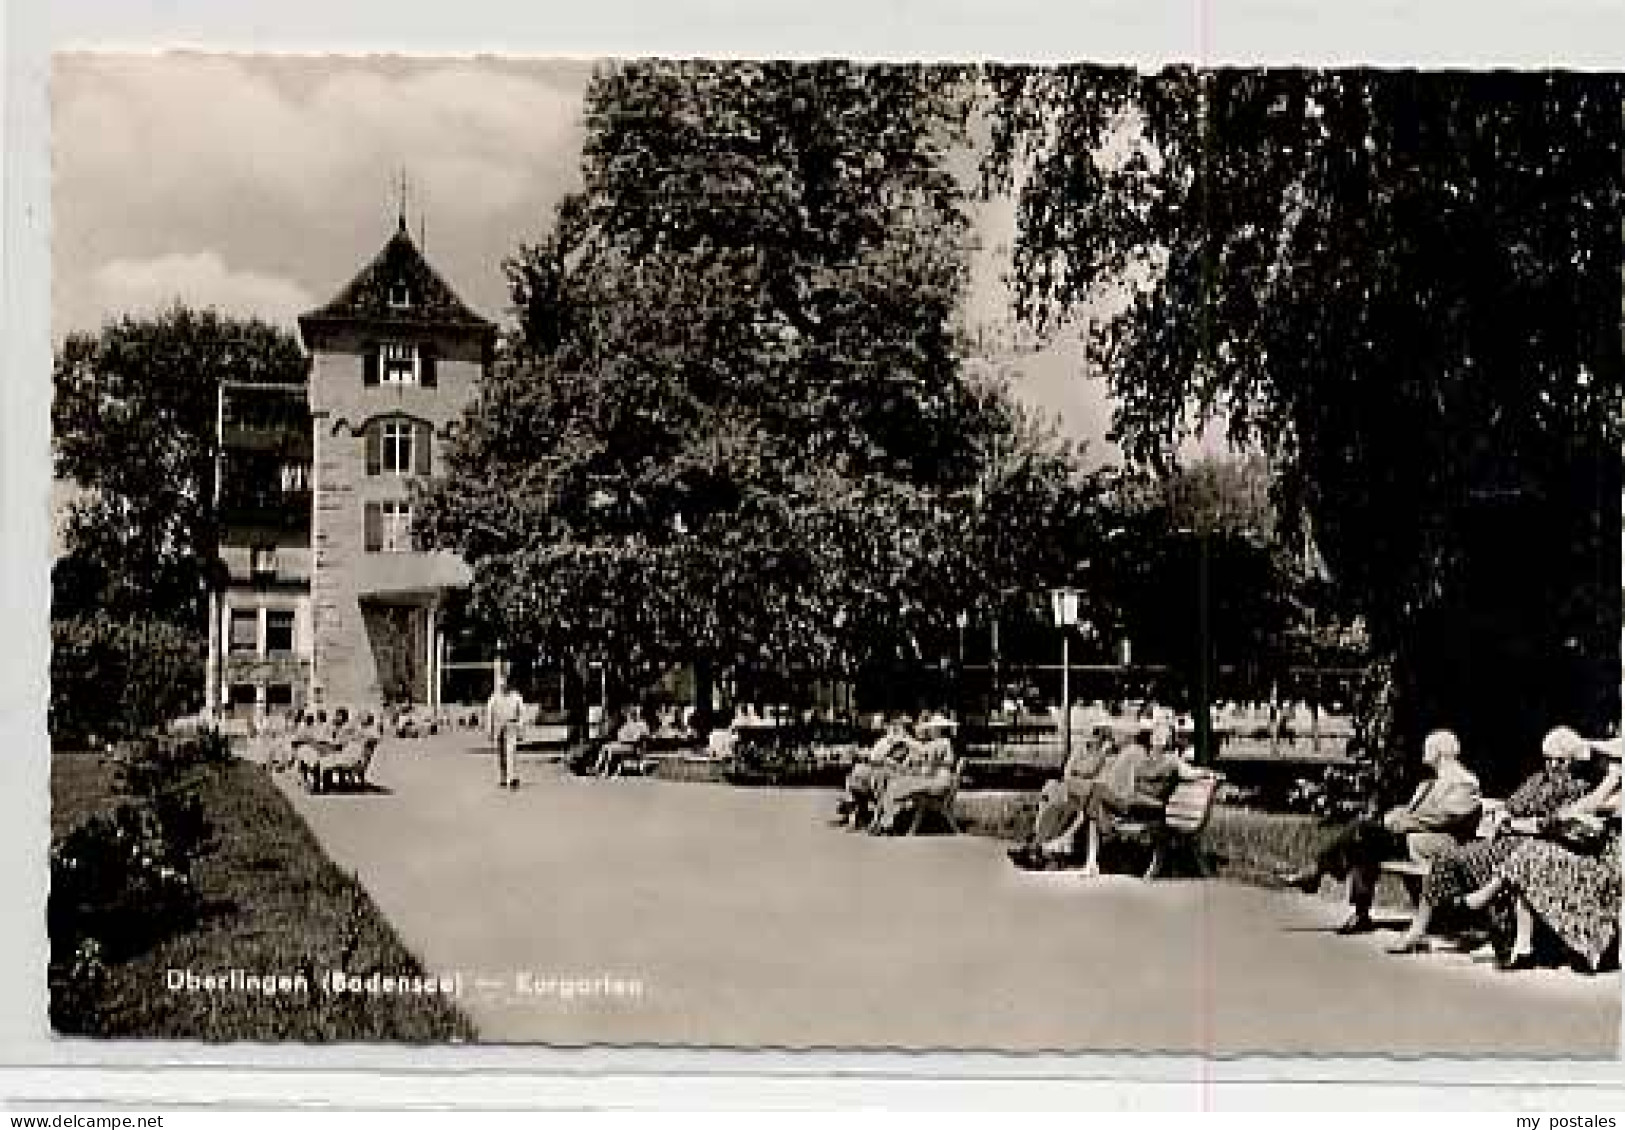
748, 922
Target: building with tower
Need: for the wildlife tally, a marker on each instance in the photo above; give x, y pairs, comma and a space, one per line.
326, 599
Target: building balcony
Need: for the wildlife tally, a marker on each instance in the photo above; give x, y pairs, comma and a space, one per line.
269, 509
259, 564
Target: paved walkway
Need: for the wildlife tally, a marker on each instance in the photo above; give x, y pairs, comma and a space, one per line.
748, 921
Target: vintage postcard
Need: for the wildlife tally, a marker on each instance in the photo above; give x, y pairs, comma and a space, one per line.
836, 555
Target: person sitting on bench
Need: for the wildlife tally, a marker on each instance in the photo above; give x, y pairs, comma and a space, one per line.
723, 738
627, 743
1463, 868
1137, 784
1063, 805
867, 780
1442, 813
927, 773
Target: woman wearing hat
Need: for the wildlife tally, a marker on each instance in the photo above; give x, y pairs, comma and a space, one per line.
1567, 881
926, 774
866, 783
1460, 871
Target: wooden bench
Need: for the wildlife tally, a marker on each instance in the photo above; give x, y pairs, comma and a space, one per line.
1411, 872
1185, 816
548, 738
345, 767
940, 805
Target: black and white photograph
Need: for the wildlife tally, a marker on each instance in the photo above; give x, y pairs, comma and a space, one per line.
746, 553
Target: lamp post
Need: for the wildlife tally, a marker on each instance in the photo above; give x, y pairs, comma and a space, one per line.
1204, 690
1064, 603
1203, 714
961, 621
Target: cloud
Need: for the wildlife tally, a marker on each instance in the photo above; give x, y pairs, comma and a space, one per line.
201, 279
285, 167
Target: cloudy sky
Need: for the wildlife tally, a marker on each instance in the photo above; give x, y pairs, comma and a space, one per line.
261, 184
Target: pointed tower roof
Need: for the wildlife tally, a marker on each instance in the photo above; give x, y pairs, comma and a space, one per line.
398, 272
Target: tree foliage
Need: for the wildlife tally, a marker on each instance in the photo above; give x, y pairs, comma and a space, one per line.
733, 420
1207, 527
133, 423
1405, 288
114, 678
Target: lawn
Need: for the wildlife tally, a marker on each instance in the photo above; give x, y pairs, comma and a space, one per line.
273, 903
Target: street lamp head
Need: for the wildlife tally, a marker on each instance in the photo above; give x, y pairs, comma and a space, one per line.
962, 619
1064, 603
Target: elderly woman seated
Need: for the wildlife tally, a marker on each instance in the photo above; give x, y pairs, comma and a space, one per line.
723, 739
1136, 783
1063, 806
1459, 871
926, 776
321, 743
1565, 879
867, 780
627, 743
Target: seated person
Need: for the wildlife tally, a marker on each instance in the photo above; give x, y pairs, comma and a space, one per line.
867, 780
1136, 784
322, 742
1442, 813
1063, 804
927, 772
720, 743
1464, 867
1567, 883
668, 726
627, 742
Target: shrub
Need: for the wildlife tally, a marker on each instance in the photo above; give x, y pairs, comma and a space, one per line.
150, 765
113, 678
1338, 792
120, 881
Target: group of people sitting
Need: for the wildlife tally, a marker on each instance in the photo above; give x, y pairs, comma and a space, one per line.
912, 764
316, 744
1545, 865
1104, 781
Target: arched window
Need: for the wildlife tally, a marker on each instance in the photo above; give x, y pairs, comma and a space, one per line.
397, 445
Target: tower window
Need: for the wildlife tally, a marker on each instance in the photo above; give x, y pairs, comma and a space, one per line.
400, 364
397, 448
397, 518
399, 296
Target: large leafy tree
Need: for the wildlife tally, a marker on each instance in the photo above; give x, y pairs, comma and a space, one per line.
134, 426
1406, 289
732, 422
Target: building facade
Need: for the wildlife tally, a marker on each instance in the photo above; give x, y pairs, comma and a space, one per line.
260, 638
395, 358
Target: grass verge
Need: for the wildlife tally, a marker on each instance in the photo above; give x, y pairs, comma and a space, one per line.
272, 903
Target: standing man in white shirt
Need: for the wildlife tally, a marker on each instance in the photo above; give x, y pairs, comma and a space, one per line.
504, 716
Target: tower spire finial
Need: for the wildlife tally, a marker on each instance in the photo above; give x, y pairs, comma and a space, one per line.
401, 198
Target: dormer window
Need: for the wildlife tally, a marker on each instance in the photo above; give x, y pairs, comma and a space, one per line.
400, 364
400, 296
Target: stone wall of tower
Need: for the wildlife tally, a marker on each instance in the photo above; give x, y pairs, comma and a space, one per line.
345, 667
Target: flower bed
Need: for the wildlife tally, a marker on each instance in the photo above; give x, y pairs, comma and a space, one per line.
249, 889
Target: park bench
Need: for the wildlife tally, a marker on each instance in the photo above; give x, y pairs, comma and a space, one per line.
918, 809
1185, 816
1411, 872
343, 768
547, 738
